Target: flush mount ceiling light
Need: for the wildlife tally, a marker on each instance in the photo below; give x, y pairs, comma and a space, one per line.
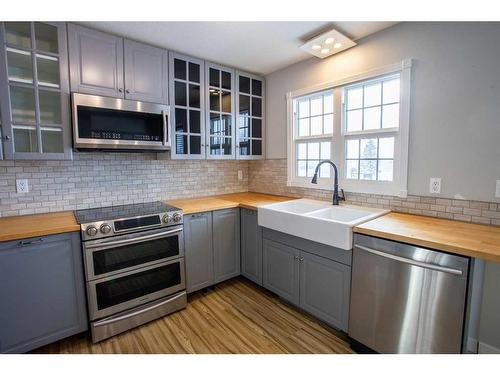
321, 46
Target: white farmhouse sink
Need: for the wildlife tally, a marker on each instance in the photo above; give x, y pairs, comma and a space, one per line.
316, 220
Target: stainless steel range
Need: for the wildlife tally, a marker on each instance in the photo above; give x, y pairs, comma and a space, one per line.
134, 265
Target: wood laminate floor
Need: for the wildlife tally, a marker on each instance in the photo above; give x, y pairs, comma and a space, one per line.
234, 317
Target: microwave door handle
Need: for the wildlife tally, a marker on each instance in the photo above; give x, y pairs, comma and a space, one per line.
166, 133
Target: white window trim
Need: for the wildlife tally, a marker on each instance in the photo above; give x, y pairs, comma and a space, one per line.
397, 187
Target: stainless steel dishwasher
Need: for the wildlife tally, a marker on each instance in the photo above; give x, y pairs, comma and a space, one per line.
406, 299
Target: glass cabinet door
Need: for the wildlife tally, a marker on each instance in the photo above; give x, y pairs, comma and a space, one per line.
34, 90
187, 85
220, 112
250, 116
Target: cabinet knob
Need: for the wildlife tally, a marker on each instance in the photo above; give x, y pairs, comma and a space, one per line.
296, 257
7, 137
120, 90
301, 259
127, 91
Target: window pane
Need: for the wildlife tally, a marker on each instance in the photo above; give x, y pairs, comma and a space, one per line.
226, 80
386, 148
367, 169
18, 33
244, 105
324, 171
226, 101
385, 170
52, 140
328, 103
352, 149
256, 87
226, 146
371, 118
328, 124
180, 93
181, 144
226, 124
195, 144
301, 168
303, 108
256, 107
373, 95
355, 98
303, 127
215, 143
311, 166
256, 147
20, 66
215, 123
302, 151
194, 121
369, 148
46, 37
313, 150
256, 128
244, 127
194, 96
316, 124
179, 69
245, 84
391, 91
194, 72
23, 104
181, 124
214, 79
244, 146
25, 139
351, 169
325, 150
390, 116
354, 120
316, 106
48, 71
50, 107
214, 100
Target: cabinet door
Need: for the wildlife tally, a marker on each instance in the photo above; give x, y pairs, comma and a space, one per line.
198, 250
249, 116
145, 73
325, 289
281, 270
251, 246
34, 90
95, 62
226, 231
42, 291
187, 102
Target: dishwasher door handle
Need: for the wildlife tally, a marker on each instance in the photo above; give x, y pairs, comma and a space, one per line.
430, 266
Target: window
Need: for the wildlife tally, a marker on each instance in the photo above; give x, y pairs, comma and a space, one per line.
361, 124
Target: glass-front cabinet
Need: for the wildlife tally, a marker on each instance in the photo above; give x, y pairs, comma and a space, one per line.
187, 102
250, 116
34, 91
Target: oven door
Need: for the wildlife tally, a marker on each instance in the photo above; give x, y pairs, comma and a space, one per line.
117, 293
100, 122
111, 256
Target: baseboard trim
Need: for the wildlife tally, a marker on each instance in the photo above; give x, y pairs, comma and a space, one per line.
487, 349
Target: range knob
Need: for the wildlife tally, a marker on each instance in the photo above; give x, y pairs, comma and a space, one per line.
91, 230
105, 228
166, 218
177, 217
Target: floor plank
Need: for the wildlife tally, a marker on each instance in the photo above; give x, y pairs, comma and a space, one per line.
236, 316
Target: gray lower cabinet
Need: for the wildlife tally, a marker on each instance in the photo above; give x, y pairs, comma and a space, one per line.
199, 251
281, 270
251, 246
226, 240
42, 291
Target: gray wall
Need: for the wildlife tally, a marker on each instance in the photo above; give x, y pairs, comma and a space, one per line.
455, 116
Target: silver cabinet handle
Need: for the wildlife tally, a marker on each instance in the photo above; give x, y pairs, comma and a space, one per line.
430, 266
301, 259
132, 240
24, 243
296, 257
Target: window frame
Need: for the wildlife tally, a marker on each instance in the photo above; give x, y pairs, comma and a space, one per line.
397, 187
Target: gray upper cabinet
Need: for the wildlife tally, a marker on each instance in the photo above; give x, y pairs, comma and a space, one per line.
34, 90
251, 246
325, 289
198, 249
42, 291
96, 62
281, 270
226, 241
146, 73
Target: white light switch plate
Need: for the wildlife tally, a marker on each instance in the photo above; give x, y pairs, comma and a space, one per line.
435, 185
497, 190
22, 186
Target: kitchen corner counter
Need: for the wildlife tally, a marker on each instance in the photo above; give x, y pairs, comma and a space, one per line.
474, 240
218, 202
18, 227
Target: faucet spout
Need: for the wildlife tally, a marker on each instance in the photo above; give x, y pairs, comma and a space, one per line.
336, 198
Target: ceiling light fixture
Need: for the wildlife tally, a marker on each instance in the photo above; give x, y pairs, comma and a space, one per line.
329, 40
337, 45
327, 44
316, 46
325, 50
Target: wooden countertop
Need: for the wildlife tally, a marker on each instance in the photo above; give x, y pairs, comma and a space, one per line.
474, 240
218, 202
17, 227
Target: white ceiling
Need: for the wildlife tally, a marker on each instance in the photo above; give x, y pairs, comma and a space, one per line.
258, 47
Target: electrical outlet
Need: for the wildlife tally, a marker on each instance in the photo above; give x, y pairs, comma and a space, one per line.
435, 185
497, 190
240, 175
22, 186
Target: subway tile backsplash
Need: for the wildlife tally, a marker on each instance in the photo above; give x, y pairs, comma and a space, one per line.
105, 179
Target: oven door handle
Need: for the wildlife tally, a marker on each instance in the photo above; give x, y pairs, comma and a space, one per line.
132, 240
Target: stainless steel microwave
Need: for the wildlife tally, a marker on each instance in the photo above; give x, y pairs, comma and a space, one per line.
105, 123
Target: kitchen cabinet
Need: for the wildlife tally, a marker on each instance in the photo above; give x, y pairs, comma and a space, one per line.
34, 91
313, 276
42, 291
198, 251
249, 116
187, 101
226, 241
108, 65
251, 246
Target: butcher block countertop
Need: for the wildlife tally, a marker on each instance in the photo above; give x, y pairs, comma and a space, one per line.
18, 227
218, 202
474, 240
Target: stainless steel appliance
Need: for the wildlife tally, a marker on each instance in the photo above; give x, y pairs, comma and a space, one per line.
134, 265
102, 123
406, 299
